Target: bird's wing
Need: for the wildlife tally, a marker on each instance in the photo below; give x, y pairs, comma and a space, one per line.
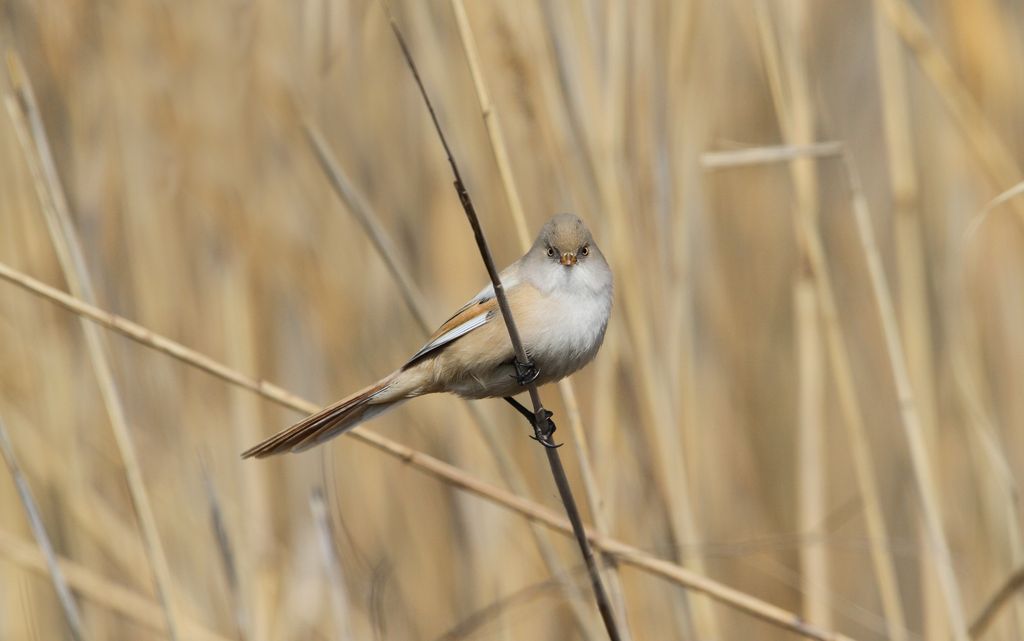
476, 313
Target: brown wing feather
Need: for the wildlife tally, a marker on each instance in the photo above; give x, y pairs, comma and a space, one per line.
468, 312
486, 308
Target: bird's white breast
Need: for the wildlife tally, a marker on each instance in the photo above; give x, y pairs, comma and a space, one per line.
577, 303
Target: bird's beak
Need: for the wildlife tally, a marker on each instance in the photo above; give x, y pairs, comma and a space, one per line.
568, 259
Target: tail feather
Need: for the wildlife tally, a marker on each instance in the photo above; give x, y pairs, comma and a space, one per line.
327, 423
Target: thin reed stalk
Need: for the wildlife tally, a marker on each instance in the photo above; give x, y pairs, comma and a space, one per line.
35, 520
24, 112
979, 219
492, 123
909, 414
339, 600
768, 155
364, 214
90, 513
426, 464
226, 551
797, 120
811, 450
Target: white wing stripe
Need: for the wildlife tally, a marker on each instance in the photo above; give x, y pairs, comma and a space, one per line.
452, 334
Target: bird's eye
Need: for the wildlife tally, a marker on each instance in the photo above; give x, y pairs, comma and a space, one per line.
585, 250
551, 252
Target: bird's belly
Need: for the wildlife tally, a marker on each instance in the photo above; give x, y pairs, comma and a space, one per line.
569, 335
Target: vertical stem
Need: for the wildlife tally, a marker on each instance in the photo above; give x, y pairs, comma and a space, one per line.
812, 451
798, 124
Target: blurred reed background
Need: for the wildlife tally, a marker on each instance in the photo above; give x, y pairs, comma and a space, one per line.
748, 416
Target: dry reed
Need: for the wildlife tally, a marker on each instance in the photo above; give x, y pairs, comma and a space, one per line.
741, 427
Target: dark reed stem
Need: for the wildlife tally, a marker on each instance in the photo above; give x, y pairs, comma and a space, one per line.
540, 416
1012, 584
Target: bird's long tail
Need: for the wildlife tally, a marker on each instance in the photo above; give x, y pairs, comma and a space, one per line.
332, 420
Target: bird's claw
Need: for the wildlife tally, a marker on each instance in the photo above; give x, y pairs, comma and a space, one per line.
544, 428
526, 373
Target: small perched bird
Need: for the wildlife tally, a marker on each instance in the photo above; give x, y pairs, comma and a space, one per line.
560, 293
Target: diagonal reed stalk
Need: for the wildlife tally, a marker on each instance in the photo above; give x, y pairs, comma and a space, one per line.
426, 464
358, 206
35, 521
540, 415
225, 551
491, 122
28, 124
996, 159
90, 514
1011, 586
565, 386
979, 219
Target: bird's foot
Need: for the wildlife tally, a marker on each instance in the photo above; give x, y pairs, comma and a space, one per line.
544, 429
526, 373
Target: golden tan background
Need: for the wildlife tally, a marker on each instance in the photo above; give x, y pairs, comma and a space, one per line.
717, 418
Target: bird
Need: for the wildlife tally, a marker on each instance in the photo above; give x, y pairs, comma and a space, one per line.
560, 296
